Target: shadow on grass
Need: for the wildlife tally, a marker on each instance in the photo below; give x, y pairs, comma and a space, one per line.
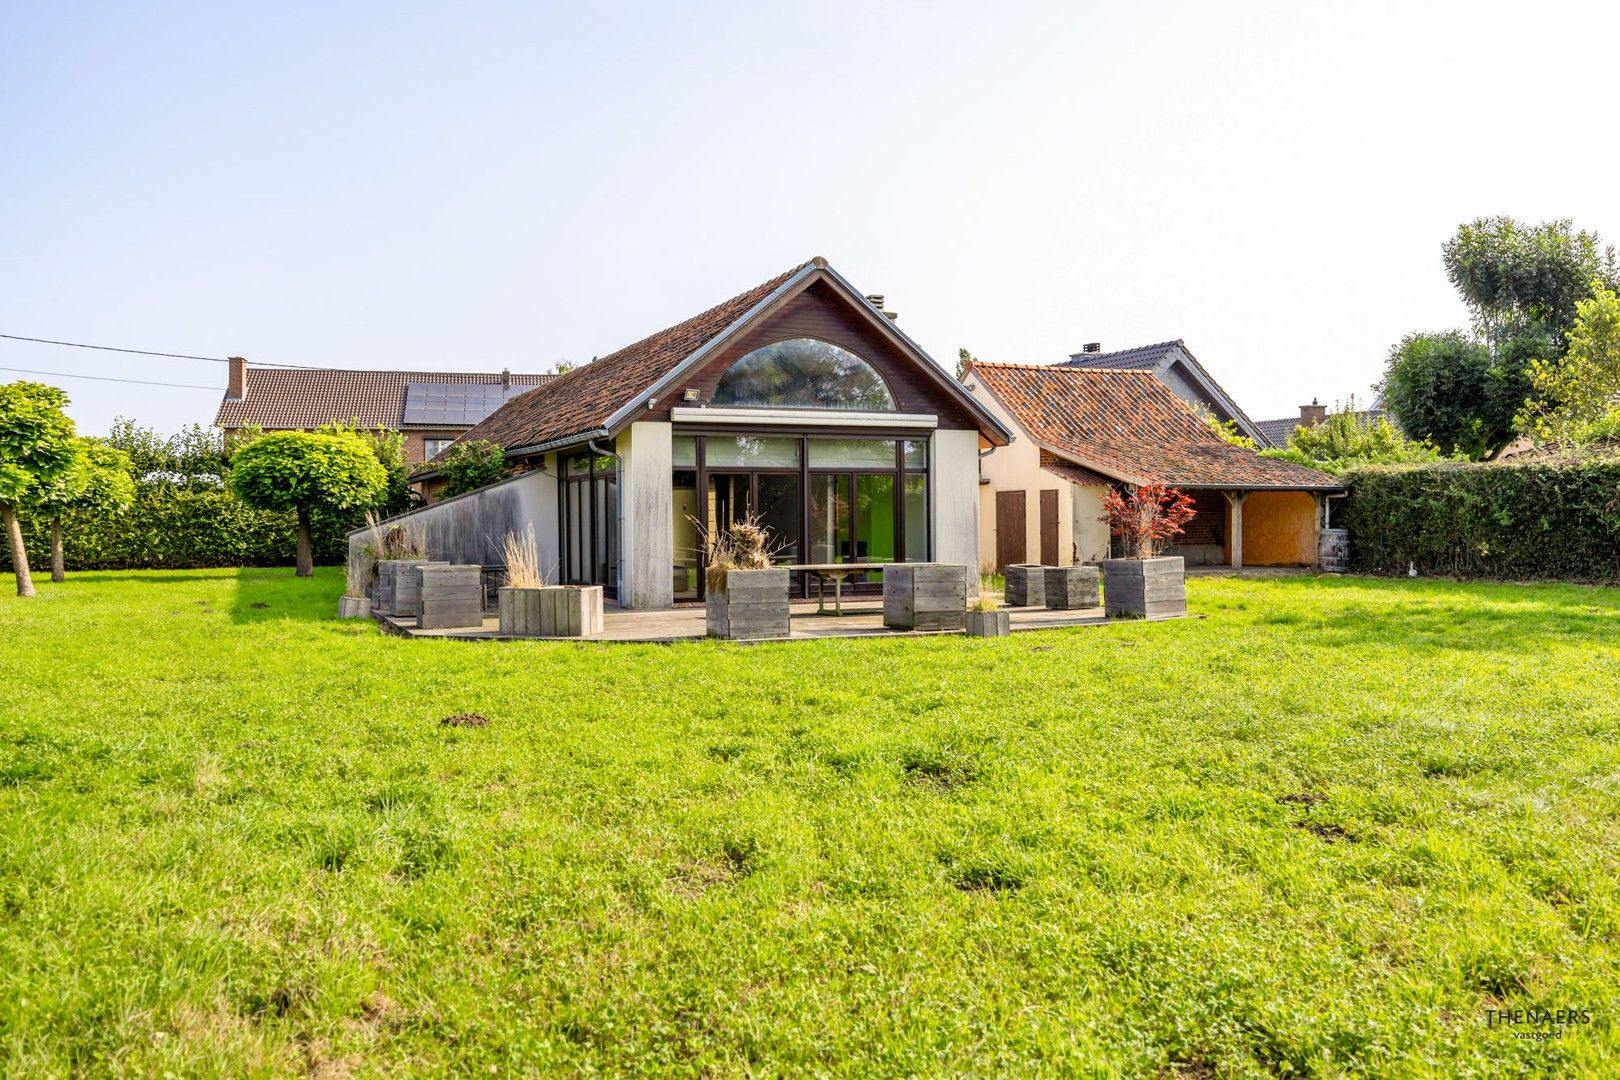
270, 594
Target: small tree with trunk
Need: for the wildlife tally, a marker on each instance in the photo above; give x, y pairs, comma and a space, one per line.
300, 471
36, 446
98, 481
1145, 520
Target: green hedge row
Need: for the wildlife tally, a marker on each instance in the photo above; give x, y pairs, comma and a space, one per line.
177, 528
1542, 520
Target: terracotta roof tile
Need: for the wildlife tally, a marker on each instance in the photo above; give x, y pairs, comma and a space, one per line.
583, 400
283, 398
1129, 425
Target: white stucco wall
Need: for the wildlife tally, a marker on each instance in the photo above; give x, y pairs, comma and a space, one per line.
1090, 530
1018, 468
646, 539
953, 481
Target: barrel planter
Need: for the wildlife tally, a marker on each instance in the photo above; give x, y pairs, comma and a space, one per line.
449, 596
1333, 550
925, 596
749, 605
989, 623
1025, 584
1145, 588
354, 607
1071, 588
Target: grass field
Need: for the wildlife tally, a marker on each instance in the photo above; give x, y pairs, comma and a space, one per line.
1324, 830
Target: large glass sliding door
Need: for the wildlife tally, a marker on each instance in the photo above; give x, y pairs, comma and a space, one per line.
820, 500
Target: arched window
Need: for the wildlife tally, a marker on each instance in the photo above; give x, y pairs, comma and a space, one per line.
803, 373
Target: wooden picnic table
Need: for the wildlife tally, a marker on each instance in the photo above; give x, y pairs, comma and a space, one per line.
837, 571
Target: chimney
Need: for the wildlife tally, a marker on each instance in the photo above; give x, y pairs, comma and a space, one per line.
506, 378
236, 381
876, 300
1091, 346
1312, 414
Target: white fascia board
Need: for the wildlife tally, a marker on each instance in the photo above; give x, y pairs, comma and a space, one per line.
801, 418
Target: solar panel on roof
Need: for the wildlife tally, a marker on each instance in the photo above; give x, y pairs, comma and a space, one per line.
455, 404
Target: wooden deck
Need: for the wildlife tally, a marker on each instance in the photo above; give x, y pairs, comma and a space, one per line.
861, 618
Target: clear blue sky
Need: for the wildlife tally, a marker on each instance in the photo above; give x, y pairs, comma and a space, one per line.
475, 186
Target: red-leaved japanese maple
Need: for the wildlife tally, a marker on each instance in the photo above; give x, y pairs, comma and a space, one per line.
1147, 519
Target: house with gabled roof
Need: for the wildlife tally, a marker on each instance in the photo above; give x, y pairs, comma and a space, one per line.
1079, 430
799, 401
1173, 364
431, 409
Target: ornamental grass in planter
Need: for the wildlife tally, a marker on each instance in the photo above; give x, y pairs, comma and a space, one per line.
745, 597
357, 570
397, 550
1148, 585
986, 618
531, 606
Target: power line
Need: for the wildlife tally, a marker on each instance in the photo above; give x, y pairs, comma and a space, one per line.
109, 378
148, 352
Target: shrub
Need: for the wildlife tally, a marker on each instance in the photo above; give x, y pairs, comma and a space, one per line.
172, 528
468, 466
1148, 519
1547, 518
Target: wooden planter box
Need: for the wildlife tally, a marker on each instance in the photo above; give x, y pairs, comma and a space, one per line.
551, 611
925, 596
1145, 588
1069, 588
397, 585
449, 596
753, 604
989, 623
1025, 584
354, 607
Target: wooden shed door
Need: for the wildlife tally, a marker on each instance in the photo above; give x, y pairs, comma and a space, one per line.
1009, 528
1049, 527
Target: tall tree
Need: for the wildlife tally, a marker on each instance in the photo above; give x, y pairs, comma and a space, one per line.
1521, 284
303, 471
36, 446
1581, 389
98, 481
1439, 387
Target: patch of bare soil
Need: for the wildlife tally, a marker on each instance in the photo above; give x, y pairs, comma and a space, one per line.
1307, 799
466, 719
1332, 833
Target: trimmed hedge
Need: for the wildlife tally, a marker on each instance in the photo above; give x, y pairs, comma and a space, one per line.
1546, 519
177, 528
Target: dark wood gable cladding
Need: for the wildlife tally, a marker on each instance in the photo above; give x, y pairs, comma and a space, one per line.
821, 312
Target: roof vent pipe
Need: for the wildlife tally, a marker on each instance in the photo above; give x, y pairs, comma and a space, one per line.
506, 378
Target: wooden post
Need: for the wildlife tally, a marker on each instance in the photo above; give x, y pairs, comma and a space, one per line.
1321, 523
1235, 499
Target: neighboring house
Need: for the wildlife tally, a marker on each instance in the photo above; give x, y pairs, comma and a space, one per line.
430, 408
1079, 430
1277, 432
1174, 365
799, 401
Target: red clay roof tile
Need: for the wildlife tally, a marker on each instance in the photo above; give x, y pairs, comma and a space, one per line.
1130, 426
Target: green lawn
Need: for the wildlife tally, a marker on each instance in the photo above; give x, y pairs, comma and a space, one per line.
1321, 831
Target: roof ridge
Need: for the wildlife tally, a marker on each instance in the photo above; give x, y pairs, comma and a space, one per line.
262, 368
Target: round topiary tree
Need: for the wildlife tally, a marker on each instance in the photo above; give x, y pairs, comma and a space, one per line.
36, 446
299, 471
98, 481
